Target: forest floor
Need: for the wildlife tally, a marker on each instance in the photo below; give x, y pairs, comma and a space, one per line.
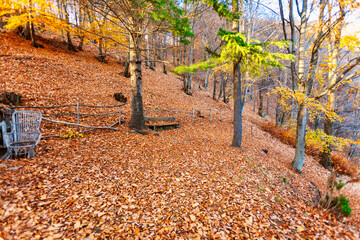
185, 183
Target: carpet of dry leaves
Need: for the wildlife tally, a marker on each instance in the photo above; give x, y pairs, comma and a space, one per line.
186, 183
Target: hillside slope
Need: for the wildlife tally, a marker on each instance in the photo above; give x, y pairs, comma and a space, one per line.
182, 183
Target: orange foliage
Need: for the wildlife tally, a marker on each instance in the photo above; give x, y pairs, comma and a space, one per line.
341, 163
284, 135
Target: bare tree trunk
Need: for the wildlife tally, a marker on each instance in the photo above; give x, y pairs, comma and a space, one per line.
261, 99
201, 78
237, 136
174, 51
267, 105
334, 40
137, 111
127, 66
28, 31
214, 92
146, 54
222, 75
307, 81
207, 78
299, 159
70, 45
152, 54
292, 47
225, 99
277, 112
101, 55
164, 54
189, 83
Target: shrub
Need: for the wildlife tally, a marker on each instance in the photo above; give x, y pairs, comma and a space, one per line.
338, 205
314, 147
343, 165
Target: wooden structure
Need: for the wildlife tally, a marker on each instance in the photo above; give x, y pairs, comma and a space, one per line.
161, 126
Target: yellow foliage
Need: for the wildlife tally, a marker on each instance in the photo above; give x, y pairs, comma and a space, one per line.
314, 106
350, 42
20, 12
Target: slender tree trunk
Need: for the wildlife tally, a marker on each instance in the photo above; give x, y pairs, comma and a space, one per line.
261, 99
299, 159
224, 92
137, 111
152, 54
101, 55
207, 78
174, 51
267, 105
28, 31
334, 40
70, 45
317, 122
307, 83
328, 130
179, 53
277, 113
189, 83
81, 43
237, 136
222, 74
127, 66
146, 53
201, 78
214, 92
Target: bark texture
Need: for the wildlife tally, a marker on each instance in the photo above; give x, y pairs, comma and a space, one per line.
137, 111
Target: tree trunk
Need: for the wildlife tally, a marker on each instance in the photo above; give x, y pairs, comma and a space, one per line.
146, 49
70, 45
81, 43
152, 54
334, 40
224, 92
137, 111
328, 129
237, 136
174, 51
164, 68
277, 113
189, 83
126, 71
214, 93
261, 100
299, 159
28, 31
222, 74
201, 78
207, 79
101, 55
267, 105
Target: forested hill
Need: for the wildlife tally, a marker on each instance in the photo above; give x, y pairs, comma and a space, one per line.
178, 183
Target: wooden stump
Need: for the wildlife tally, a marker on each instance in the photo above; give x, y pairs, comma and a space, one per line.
10, 98
120, 97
